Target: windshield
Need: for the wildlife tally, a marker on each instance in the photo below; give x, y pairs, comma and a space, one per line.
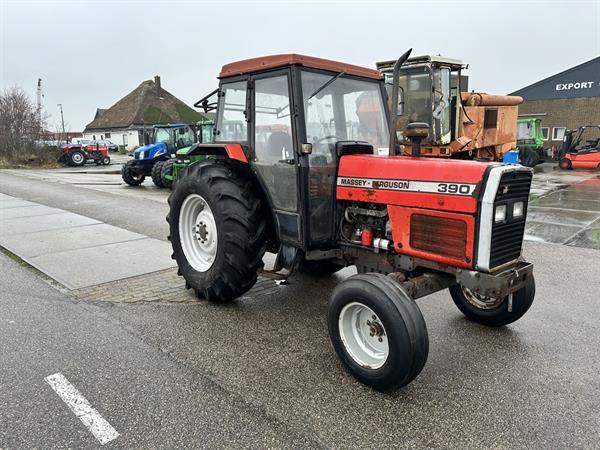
414, 96
524, 131
161, 135
343, 109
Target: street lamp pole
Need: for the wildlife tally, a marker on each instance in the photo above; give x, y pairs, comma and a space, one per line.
62, 119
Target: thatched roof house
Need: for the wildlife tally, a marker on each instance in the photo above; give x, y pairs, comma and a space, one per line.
147, 105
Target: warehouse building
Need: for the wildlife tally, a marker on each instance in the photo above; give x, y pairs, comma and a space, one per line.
564, 101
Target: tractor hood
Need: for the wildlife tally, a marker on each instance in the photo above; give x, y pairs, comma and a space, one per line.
150, 151
451, 185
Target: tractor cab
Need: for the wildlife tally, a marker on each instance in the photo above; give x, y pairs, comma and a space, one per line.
293, 116
174, 136
429, 87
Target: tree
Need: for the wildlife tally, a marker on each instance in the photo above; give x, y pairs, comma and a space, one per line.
19, 122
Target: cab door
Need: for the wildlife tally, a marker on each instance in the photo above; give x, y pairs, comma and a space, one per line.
274, 144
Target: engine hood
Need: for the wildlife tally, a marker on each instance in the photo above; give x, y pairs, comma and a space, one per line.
150, 151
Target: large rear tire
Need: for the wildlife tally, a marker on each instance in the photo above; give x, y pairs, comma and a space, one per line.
490, 311
76, 158
130, 175
378, 331
217, 230
156, 174
167, 170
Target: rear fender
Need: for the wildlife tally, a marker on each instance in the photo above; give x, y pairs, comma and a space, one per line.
245, 169
231, 151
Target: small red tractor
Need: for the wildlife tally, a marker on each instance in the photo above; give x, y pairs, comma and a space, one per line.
314, 175
76, 155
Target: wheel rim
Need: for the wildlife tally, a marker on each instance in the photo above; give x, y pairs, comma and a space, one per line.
481, 301
77, 158
198, 233
363, 335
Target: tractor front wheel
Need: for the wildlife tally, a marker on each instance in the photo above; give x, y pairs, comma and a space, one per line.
106, 161
167, 171
378, 331
131, 175
494, 312
217, 230
156, 174
565, 164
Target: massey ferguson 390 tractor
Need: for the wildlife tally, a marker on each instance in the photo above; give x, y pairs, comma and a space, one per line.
314, 176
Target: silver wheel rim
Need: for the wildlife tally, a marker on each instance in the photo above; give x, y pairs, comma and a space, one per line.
77, 158
481, 301
198, 233
363, 335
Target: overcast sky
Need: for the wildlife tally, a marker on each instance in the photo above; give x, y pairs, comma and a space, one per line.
89, 54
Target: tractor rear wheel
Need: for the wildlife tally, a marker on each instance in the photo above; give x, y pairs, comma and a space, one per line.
130, 175
217, 230
167, 170
76, 158
565, 164
494, 312
156, 174
378, 331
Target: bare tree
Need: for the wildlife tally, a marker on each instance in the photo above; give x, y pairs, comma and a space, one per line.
19, 122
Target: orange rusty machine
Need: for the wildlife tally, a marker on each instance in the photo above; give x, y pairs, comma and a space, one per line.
476, 126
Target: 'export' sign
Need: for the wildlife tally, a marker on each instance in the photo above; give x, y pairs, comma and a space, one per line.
577, 85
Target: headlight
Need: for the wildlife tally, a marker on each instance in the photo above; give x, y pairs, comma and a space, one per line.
518, 209
500, 215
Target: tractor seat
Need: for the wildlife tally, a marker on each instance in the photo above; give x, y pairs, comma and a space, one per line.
279, 146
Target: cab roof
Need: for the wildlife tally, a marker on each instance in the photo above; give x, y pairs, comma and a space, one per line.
261, 63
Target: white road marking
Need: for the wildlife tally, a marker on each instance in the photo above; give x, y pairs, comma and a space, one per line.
98, 426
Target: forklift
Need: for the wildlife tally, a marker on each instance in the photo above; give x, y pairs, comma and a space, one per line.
580, 148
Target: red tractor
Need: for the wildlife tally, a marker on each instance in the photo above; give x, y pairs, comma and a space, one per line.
77, 155
315, 180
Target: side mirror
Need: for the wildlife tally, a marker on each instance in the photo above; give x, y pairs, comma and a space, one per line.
306, 149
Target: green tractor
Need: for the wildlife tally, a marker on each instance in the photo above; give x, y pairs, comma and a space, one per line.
530, 141
171, 168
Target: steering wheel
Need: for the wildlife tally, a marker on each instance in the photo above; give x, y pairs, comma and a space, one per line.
331, 136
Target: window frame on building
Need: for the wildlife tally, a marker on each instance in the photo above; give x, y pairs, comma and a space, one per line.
554, 129
547, 134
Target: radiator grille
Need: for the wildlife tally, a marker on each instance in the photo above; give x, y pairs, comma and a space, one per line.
440, 235
507, 237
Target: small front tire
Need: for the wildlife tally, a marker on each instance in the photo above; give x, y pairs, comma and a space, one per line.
490, 311
378, 331
131, 175
565, 164
167, 170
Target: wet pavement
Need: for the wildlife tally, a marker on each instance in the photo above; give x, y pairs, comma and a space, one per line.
564, 207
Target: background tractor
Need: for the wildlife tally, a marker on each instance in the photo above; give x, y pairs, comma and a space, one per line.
147, 160
461, 124
171, 168
530, 141
314, 175
76, 155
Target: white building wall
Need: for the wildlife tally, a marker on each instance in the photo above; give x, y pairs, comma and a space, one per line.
129, 138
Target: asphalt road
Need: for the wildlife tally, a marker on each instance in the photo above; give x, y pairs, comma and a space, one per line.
261, 372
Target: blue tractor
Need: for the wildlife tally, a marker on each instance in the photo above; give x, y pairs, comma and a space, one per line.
148, 160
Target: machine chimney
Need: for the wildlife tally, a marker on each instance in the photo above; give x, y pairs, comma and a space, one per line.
157, 83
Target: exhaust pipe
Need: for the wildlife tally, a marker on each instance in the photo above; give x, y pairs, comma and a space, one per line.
394, 112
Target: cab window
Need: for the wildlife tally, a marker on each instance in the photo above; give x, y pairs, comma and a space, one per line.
231, 122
